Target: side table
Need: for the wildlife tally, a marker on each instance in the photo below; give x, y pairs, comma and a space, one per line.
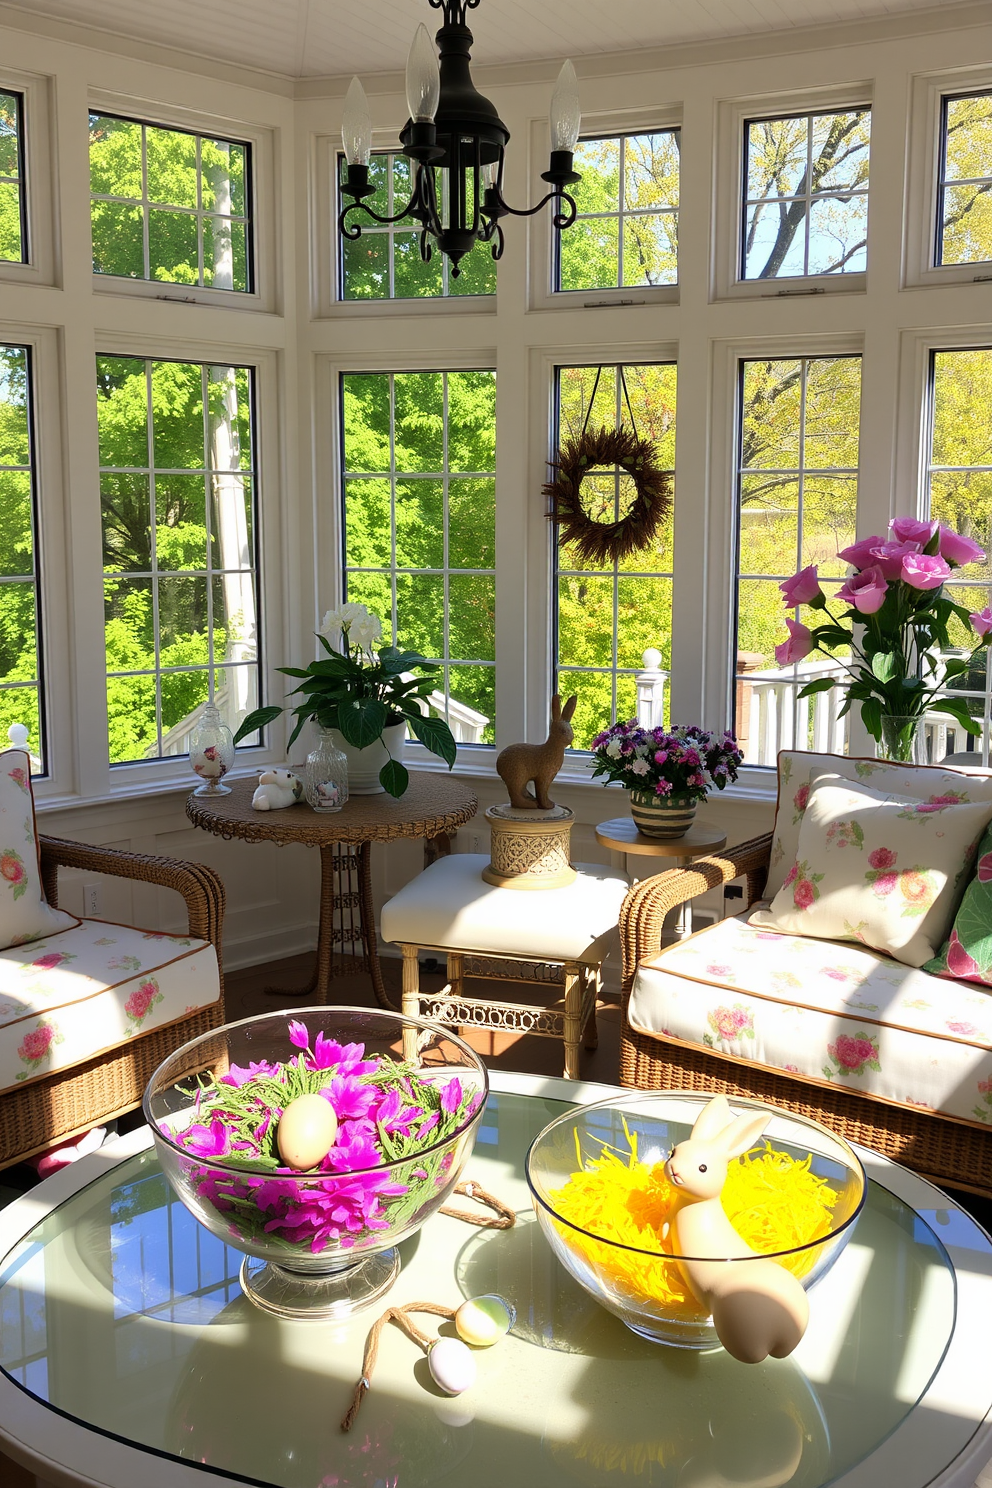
432, 806
622, 837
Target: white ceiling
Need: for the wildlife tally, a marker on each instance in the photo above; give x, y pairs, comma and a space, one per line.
327, 38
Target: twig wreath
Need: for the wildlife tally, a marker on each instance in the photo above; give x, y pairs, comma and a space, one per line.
598, 541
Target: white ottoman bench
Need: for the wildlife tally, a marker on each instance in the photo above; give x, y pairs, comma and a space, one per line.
450, 908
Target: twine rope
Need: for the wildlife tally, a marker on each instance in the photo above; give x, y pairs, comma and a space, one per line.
505, 1217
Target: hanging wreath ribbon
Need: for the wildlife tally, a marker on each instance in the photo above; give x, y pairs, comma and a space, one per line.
600, 542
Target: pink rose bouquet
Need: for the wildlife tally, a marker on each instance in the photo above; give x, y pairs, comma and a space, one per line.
894, 627
682, 761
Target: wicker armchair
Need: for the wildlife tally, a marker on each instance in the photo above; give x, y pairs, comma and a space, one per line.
35, 1116
935, 1146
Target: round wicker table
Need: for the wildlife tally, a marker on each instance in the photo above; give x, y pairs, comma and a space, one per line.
432, 806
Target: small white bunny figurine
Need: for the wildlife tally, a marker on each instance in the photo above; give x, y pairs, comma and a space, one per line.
277, 788
758, 1307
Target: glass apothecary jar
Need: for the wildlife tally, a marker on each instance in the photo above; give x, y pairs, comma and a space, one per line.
211, 752
326, 774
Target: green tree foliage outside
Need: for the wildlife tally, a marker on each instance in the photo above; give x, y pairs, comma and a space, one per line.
965, 234
384, 263
806, 209
626, 233
178, 548
11, 199
168, 205
19, 658
607, 619
420, 519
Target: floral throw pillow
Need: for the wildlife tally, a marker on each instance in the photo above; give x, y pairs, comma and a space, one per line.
967, 953
886, 871
24, 913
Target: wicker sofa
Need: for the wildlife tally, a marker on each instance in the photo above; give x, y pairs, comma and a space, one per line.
48, 1107
951, 1149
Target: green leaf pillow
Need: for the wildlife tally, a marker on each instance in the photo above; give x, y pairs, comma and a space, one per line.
967, 954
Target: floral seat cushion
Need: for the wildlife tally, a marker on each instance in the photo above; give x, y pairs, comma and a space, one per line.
71, 996
834, 1014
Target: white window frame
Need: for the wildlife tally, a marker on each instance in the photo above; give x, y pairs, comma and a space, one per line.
108, 782
39, 185
733, 115
264, 239
919, 270
541, 235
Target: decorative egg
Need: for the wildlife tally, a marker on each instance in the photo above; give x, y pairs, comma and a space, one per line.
482, 1320
306, 1132
452, 1366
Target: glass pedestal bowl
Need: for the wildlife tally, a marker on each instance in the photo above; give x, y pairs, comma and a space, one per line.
317, 1244
642, 1285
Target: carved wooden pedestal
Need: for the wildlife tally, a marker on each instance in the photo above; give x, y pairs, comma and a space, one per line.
530, 849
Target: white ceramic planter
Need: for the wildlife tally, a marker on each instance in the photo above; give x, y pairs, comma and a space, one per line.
364, 764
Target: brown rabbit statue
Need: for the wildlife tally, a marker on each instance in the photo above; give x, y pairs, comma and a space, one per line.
519, 764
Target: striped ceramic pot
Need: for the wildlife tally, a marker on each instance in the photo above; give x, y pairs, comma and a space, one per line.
664, 817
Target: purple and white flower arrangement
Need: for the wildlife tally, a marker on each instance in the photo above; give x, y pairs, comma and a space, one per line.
895, 624
677, 762
391, 1151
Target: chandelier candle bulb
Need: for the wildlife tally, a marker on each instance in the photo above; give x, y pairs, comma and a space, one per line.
423, 78
566, 114
356, 125
482, 1321
306, 1132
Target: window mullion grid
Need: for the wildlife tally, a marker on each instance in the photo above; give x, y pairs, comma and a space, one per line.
809, 205
208, 481
392, 502
200, 266
615, 642
391, 250
145, 210
620, 202
445, 588
153, 548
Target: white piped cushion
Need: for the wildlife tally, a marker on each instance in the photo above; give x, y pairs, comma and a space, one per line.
451, 907
71, 996
833, 1014
25, 914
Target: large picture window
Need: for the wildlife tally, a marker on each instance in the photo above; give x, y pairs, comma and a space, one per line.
420, 526
626, 233
606, 618
797, 486
13, 237
20, 642
805, 195
964, 196
169, 205
178, 496
384, 263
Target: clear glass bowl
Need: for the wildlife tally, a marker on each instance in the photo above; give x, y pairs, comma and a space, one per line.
635, 1284
282, 1274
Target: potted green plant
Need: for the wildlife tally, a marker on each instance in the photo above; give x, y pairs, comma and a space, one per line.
364, 694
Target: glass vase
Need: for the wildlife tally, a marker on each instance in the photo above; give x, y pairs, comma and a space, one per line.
903, 739
326, 781
211, 752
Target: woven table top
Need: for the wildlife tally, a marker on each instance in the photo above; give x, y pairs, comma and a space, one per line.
431, 805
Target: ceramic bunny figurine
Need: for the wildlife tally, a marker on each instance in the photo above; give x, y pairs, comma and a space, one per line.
758, 1307
518, 764
276, 789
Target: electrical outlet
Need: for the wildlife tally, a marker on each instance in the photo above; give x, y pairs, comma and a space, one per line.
91, 900
476, 842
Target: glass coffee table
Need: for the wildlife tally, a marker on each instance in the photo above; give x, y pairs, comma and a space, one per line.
129, 1357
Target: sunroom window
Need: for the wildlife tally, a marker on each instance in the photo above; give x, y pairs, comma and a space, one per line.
13, 237
169, 205
607, 617
805, 195
964, 199
177, 482
20, 640
626, 232
419, 493
797, 486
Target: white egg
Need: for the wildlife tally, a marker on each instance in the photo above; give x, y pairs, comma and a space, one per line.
452, 1366
482, 1320
306, 1132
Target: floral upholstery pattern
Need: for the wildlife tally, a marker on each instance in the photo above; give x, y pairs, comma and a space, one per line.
69, 997
966, 955
830, 1013
798, 769
24, 913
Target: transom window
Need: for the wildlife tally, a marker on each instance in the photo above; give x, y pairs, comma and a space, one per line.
385, 262
169, 205
959, 486
419, 496
797, 488
964, 198
805, 195
177, 489
626, 233
606, 618
20, 641
13, 234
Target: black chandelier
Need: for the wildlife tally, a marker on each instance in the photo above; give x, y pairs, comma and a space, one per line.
454, 131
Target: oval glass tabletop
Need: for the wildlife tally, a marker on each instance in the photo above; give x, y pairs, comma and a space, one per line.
121, 1312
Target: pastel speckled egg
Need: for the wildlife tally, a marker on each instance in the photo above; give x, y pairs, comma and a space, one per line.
452, 1366
306, 1132
482, 1320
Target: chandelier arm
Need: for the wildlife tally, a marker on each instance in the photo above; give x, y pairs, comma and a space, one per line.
348, 230
561, 219
497, 248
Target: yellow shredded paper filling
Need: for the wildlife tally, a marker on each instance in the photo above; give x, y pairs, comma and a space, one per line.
773, 1201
